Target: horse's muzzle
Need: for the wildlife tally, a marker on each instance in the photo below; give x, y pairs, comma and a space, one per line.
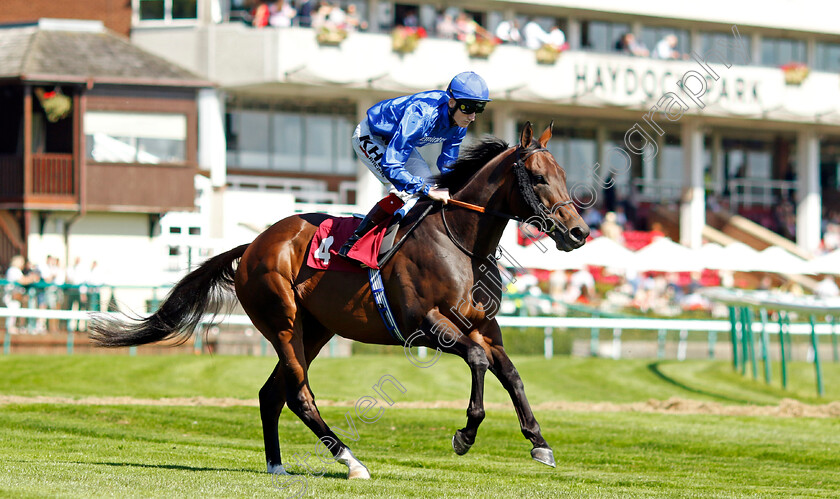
573, 238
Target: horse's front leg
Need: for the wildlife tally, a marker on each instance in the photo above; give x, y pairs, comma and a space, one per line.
441, 333
504, 369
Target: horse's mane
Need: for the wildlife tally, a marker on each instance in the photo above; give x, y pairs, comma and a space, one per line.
469, 161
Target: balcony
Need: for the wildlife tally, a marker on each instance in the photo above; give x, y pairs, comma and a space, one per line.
270, 61
53, 180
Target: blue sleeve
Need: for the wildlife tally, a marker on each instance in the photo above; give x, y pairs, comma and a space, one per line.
412, 128
449, 151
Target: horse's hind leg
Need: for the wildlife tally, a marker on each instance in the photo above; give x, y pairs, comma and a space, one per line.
299, 396
272, 400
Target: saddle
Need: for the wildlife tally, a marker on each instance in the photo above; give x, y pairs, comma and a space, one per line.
334, 231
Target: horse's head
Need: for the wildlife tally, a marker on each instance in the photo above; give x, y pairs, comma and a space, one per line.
541, 183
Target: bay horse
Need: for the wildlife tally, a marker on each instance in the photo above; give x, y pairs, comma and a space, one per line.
431, 281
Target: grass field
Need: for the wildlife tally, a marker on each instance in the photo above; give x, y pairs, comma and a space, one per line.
54, 449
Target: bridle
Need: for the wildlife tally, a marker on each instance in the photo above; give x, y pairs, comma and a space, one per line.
526, 189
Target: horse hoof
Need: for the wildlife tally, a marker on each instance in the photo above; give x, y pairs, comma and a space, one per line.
361, 473
543, 455
276, 469
459, 444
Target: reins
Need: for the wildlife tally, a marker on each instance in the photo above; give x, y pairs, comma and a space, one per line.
529, 195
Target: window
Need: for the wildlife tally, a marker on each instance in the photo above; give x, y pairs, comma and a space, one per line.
127, 137
290, 140
165, 10
601, 36
195, 231
174, 230
828, 57
780, 51
724, 44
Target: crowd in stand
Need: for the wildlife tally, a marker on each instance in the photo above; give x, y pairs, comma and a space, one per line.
50, 286
451, 23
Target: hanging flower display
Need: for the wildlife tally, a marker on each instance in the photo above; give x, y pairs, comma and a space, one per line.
56, 105
405, 40
481, 46
331, 35
548, 53
795, 73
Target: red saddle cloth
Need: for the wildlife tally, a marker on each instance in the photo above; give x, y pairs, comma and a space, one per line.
331, 235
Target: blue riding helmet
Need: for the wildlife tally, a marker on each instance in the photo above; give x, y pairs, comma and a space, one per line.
469, 86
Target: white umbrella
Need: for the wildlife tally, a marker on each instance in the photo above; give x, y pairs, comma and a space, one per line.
828, 263
780, 261
736, 256
604, 252
665, 255
710, 255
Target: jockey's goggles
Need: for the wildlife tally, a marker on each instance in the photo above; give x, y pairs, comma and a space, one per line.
470, 106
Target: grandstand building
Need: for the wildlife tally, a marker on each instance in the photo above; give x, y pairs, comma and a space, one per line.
745, 119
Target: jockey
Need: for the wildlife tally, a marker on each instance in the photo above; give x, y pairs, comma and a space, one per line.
386, 141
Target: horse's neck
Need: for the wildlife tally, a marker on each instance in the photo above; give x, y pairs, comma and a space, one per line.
481, 233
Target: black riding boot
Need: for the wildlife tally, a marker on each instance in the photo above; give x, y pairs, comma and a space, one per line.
371, 220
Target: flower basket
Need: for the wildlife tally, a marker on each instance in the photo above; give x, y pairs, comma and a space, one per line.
547, 54
405, 40
331, 36
56, 105
795, 73
481, 48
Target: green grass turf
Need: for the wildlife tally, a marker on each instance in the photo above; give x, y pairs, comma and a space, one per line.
156, 451
561, 378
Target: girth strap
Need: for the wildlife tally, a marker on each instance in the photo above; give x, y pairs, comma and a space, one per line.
378, 290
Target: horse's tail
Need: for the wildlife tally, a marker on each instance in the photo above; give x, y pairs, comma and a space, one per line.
182, 310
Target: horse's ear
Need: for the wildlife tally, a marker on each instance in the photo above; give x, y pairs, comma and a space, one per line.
526, 136
546, 135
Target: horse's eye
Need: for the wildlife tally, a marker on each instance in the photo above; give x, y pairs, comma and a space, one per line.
539, 179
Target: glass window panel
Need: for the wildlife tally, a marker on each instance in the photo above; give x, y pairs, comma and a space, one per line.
601, 36
345, 157
319, 151
780, 51
184, 9
253, 134
287, 143
162, 150
760, 164
671, 164
151, 10
828, 57
122, 137
724, 43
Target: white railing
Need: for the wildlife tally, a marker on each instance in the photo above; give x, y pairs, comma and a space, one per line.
758, 192
594, 324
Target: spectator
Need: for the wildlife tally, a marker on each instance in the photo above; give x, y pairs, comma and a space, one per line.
827, 288
535, 35
667, 48
508, 32
321, 17
831, 240
15, 292
445, 27
593, 217
410, 20
94, 281
581, 287
282, 14
628, 44
352, 19
304, 13
557, 38
611, 229
261, 14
